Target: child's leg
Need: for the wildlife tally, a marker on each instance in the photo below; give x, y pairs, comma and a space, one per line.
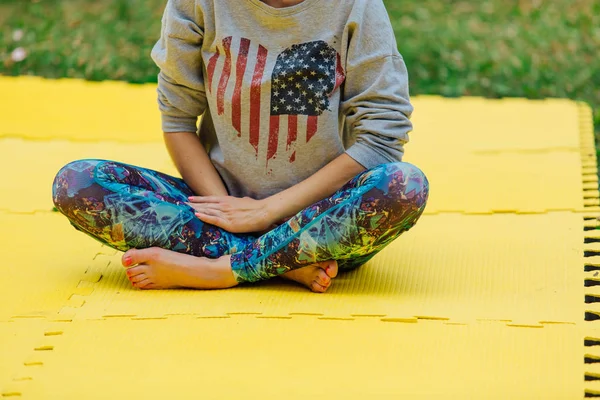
127, 207
351, 226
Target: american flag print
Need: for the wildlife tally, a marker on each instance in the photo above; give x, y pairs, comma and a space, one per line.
303, 78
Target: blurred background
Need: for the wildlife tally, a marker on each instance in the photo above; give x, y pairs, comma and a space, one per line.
491, 48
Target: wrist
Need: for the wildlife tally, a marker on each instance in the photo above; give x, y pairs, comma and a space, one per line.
273, 211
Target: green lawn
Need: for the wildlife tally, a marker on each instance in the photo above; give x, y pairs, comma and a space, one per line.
492, 48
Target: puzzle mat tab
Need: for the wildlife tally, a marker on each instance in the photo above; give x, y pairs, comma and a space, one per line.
18, 339
460, 182
450, 309
521, 269
248, 357
37, 277
129, 113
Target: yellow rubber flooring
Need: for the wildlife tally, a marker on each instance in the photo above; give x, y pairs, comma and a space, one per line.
492, 295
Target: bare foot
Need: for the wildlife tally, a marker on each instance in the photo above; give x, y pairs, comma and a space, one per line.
316, 277
164, 269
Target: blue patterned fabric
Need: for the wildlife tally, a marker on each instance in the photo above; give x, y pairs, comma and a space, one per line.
125, 206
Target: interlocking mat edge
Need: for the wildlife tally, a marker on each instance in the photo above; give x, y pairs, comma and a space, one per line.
484, 298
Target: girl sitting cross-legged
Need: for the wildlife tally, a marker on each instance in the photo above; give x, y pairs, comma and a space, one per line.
295, 169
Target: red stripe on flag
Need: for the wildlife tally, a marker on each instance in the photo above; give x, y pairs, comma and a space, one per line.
311, 126
261, 60
273, 136
224, 76
292, 130
212, 63
240, 68
339, 73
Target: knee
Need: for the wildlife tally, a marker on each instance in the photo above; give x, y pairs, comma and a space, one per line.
71, 179
408, 183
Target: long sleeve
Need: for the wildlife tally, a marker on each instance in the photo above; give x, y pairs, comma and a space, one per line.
181, 92
375, 97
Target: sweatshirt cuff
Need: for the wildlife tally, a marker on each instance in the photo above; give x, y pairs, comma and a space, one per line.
179, 124
367, 156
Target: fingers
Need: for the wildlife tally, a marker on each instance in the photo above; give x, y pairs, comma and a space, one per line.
205, 199
213, 220
211, 212
205, 206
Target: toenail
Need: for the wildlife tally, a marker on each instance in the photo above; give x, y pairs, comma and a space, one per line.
127, 261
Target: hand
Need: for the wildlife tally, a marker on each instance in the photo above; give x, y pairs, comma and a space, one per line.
234, 214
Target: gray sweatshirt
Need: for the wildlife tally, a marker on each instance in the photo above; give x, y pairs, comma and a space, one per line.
283, 91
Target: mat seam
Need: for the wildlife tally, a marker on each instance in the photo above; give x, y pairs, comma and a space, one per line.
591, 222
14, 387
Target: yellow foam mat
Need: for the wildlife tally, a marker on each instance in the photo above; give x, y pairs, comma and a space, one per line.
479, 183
40, 161
233, 358
450, 267
129, 113
18, 341
493, 294
37, 278
503, 182
475, 124
37, 108
494, 167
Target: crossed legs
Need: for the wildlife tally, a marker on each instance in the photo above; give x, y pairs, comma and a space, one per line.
143, 213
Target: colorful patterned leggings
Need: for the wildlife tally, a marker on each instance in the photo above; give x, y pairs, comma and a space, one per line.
125, 206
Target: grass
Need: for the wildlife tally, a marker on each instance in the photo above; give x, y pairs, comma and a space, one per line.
491, 48
95, 40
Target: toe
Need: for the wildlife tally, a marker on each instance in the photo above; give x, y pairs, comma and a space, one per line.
332, 268
127, 258
322, 278
138, 278
137, 256
133, 271
316, 287
142, 284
